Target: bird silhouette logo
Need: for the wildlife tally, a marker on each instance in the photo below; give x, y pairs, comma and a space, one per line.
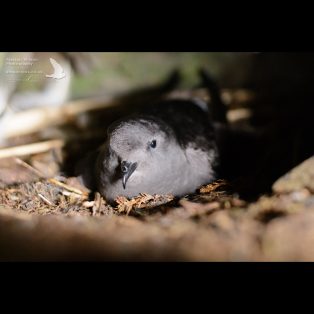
58, 73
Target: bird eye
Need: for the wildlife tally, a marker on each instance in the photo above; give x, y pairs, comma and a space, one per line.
153, 144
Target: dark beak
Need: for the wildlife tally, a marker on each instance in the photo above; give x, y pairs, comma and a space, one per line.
127, 168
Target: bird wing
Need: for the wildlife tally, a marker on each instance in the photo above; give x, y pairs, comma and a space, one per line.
57, 67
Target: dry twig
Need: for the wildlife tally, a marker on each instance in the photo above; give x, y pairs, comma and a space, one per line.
30, 149
33, 120
97, 204
45, 199
50, 180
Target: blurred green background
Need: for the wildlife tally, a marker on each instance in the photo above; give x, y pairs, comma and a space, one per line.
116, 72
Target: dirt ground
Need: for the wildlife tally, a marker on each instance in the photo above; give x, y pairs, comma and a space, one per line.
58, 219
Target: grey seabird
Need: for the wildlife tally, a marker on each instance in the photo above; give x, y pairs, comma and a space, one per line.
167, 148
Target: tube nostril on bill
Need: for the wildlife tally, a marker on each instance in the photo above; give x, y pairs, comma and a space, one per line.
125, 166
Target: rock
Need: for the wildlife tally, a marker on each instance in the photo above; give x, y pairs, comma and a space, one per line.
290, 239
301, 177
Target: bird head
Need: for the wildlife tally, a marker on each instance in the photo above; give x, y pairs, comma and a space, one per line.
137, 149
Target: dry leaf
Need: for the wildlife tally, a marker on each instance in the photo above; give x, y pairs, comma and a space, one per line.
213, 186
141, 201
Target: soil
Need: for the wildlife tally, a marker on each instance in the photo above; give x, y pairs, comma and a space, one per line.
46, 214
41, 220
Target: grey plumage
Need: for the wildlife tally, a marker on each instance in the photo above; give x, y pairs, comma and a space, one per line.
169, 147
